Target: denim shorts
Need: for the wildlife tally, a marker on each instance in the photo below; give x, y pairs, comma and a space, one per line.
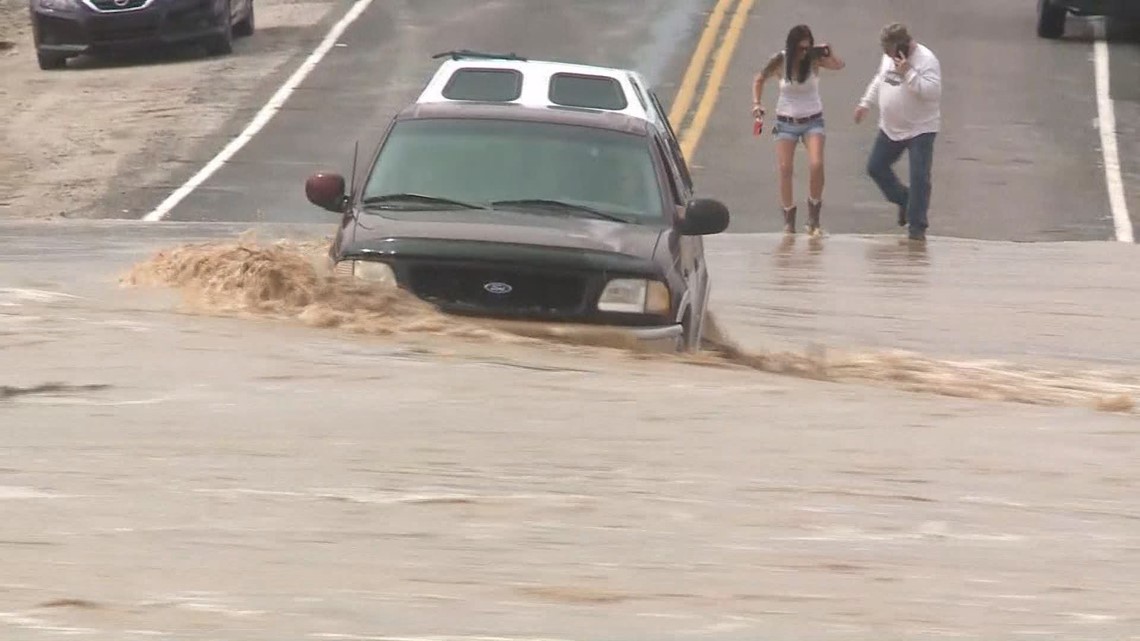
797, 131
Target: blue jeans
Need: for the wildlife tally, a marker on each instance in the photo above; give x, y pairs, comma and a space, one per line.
915, 199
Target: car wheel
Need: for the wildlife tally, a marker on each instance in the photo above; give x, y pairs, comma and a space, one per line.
222, 44
245, 28
49, 61
1050, 20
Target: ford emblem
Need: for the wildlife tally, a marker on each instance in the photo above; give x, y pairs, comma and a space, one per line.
498, 288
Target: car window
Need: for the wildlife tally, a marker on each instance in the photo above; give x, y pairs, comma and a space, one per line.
583, 90
483, 160
496, 85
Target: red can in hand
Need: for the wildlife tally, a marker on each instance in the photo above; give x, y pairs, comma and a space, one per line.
758, 126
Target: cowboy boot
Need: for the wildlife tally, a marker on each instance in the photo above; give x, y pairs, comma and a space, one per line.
790, 220
813, 216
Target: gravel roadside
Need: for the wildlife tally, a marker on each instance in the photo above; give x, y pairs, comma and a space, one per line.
68, 137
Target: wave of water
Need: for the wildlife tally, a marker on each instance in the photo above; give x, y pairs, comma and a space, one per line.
290, 281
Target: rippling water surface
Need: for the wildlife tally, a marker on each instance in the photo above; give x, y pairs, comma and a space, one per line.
273, 456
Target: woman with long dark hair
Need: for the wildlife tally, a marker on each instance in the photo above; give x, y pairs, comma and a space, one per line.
799, 116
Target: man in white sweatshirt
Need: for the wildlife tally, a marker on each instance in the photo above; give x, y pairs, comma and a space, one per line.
908, 91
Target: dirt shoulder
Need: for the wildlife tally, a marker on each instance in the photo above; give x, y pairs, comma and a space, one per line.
68, 136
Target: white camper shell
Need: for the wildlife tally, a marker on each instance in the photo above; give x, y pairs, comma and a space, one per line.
488, 77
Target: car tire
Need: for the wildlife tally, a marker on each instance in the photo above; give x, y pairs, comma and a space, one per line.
50, 62
1050, 20
246, 27
222, 44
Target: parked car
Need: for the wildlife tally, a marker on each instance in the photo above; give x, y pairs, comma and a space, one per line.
63, 29
1052, 14
496, 77
529, 213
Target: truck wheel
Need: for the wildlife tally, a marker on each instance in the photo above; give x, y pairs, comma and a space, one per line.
1050, 20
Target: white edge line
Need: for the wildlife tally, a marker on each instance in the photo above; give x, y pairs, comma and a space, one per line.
262, 117
1106, 120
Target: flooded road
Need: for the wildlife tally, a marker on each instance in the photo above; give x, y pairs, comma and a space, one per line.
176, 475
883, 442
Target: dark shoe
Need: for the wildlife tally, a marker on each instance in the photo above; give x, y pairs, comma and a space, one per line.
790, 220
813, 217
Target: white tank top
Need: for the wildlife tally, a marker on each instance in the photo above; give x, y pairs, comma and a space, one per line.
799, 100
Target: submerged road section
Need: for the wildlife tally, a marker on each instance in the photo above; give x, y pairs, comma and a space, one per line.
167, 473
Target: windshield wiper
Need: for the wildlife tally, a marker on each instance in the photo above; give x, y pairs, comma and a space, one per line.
558, 204
388, 198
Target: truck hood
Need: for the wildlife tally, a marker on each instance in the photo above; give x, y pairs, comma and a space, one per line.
507, 226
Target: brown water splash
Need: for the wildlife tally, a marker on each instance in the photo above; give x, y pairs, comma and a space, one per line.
290, 280
982, 379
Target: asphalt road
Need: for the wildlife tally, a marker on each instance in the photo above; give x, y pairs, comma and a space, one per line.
1019, 157
384, 61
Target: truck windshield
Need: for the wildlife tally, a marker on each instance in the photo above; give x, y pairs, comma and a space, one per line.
482, 161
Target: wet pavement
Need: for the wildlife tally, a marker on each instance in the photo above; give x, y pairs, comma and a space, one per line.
1019, 157
167, 474
381, 63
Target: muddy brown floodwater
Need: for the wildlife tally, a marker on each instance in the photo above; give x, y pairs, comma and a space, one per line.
204, 438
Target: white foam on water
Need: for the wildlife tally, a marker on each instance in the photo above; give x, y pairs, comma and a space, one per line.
44, 399
1091, 618
16, 295
17, 620
18, 492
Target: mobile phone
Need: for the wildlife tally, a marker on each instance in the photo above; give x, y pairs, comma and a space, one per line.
901, 50
821, 51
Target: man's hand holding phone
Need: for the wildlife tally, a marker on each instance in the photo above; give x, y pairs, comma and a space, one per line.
902, 65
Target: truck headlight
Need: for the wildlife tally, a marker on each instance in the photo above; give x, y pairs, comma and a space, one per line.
368, 270
636, 296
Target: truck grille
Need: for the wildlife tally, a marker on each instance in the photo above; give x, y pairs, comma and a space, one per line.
513, 292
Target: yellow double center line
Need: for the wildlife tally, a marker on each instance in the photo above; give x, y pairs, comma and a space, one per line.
716, 64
